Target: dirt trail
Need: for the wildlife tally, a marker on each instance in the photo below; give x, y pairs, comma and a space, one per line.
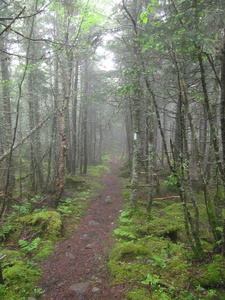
77, 269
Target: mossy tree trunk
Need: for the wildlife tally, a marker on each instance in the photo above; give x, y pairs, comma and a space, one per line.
222, 117
151, 150
7, 176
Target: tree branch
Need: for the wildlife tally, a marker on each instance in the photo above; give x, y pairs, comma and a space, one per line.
24, 17
131, 18
13, 20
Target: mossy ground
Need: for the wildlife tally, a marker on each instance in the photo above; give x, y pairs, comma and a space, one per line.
152, 256
30, 232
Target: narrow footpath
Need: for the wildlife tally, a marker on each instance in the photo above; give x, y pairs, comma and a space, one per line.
78, 267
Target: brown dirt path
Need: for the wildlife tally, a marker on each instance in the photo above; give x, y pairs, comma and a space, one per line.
78, 267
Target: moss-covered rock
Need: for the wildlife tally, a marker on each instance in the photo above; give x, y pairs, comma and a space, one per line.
211, 275
76, 182
46, 223
161, 228
129, 252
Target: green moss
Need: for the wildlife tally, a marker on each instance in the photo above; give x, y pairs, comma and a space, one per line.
44, 251
129, 252
128, 272
126, 195
125, 173
159, 227
47, 223
95, 185
177, 270
212, 275
126, 232
19, 278
106, 158
20, 272
96, 171
138, 294
12, 255
162, 294
76, 182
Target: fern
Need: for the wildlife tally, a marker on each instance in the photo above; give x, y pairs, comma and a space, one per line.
125, 217
5, 230
124, 234
152, 280
33, 245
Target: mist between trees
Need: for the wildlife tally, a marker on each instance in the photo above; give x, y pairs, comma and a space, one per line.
162, 104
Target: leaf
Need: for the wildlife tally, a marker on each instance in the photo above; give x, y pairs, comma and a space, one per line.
151, 280
144, 18
180, 31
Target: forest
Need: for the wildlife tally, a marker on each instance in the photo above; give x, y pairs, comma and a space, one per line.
81, 81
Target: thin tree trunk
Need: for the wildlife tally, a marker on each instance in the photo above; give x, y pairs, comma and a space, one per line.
63, 123
74, 121
222, 118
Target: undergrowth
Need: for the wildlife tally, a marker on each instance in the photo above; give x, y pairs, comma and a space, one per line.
153, 259
30, 231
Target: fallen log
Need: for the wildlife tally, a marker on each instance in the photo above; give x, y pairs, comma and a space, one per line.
166, 198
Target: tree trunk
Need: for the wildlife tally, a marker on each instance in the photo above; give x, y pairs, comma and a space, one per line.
222, 118
7, 177
74, 122
63, 123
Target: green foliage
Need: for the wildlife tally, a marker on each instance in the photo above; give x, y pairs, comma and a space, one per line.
126, 233
126, 194
65, 210
23, 209
145, 254
152, 280
5, 231
151, 7
125, 217
159, 261
172, 179
26, 207
44, 251
106, 158
20, 276
25, 246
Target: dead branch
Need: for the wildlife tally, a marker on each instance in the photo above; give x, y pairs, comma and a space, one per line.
13, 20
166, 198
39, 125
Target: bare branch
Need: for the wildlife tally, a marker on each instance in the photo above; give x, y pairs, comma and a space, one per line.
13, 20
24, 17
38, 126
131, 18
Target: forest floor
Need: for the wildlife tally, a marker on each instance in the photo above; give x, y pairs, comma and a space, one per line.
78, 267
